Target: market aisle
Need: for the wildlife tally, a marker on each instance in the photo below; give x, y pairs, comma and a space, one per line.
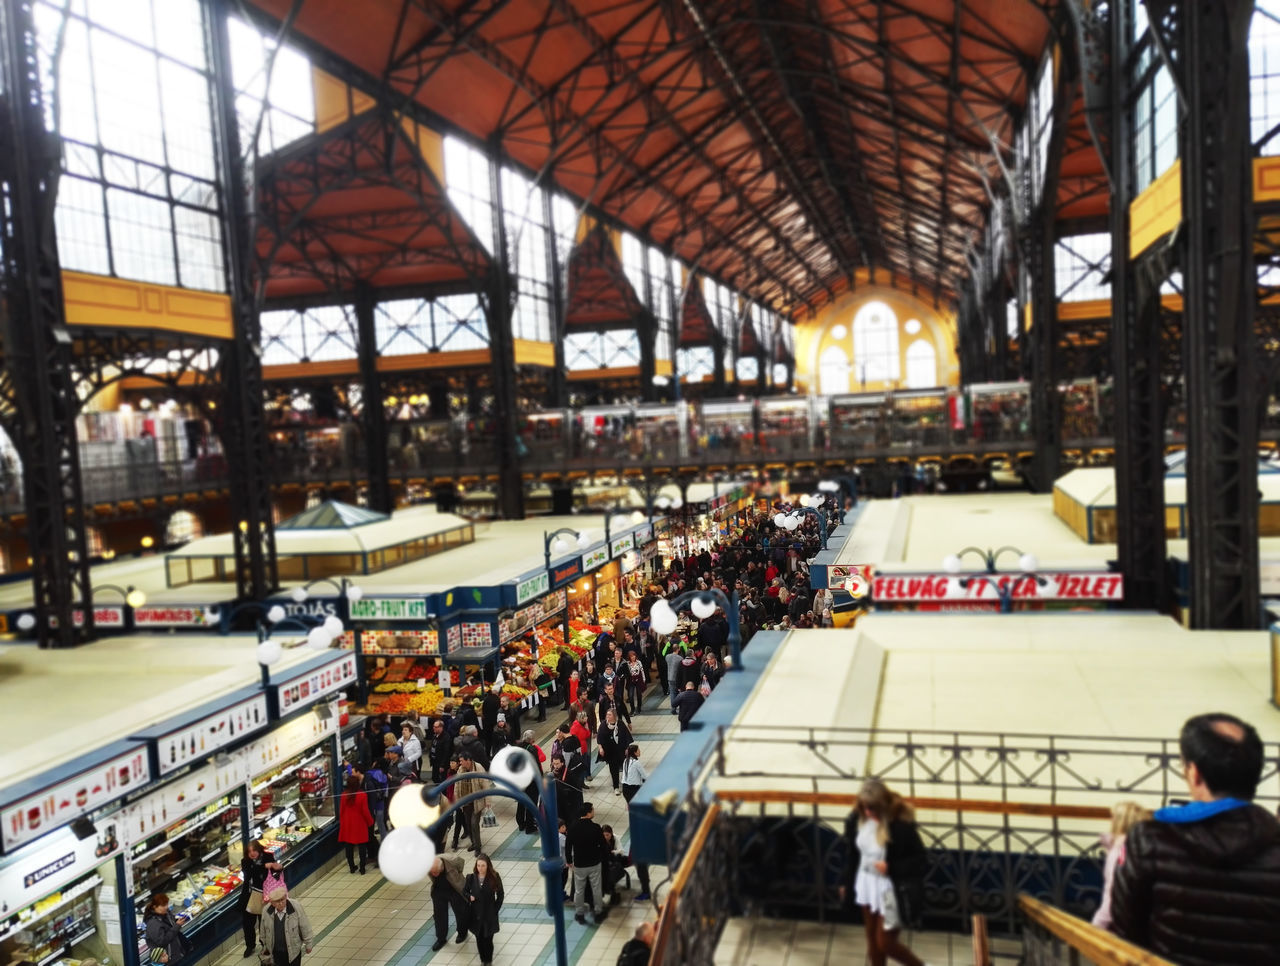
365, 919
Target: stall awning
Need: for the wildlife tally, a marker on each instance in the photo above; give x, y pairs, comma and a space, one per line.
470, 655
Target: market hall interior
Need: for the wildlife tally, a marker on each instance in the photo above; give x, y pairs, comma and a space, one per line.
394, 362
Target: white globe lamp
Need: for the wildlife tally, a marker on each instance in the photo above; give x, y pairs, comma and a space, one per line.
1028, 563
269, 652
514, 766
406, 855
703, 607
276, 614
951, 563
662, 618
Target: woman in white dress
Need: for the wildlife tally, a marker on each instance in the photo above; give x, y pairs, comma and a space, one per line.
886, 870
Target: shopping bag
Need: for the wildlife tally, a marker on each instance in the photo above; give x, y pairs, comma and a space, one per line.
488, 819
273, 881
254, 908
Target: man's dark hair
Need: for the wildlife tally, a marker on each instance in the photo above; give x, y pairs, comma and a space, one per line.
1229, 766
587, 809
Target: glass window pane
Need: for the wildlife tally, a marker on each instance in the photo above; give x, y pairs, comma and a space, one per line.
141, 237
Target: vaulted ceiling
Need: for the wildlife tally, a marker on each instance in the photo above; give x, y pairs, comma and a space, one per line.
780, 145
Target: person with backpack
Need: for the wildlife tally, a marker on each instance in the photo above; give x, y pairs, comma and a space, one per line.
377, 790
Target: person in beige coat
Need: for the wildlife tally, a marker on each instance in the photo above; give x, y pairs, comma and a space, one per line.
448, 877
285, 930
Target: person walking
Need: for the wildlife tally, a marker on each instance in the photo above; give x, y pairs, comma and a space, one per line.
686, 705
637, 678
483, 890
162, 933
613, 740
887, 865
354, 820
633, 773
255, 865
440, 750
1200, 883
585, 852
469, 814
285, 931
448, 882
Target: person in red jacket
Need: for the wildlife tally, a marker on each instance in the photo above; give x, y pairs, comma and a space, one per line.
354, 819
581, 729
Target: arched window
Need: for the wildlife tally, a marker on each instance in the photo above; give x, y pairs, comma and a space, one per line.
184, 526
922, 365
833, 371
875, 345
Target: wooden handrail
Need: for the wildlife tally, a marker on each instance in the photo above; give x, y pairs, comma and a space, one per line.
924, 804
1096, 945
666, 921
981, 943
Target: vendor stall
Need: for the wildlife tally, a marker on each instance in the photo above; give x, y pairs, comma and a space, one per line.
61, 899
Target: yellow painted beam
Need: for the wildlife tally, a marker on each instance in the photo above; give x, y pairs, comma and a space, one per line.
529, 353
120, 303
1156, 211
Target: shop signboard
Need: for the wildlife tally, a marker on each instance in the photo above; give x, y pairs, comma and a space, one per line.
110, 616
287, 741
389, 609
310, 687
566, 573
42, 871
1073, 585
177, 615
183, 796
622, 544
206, 736
520, 621
595, 559
643, 535
319, 608
36, 815
630, 561
534, 586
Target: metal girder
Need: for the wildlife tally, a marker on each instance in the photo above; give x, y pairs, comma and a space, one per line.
802, 103
763, 131
1221, 288
498, 308
602, 147
1094, 41
37, 345
373, 414
242, 422
1037, 239
1139, 406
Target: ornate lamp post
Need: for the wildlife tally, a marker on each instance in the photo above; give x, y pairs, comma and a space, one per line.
408, 851
663, 617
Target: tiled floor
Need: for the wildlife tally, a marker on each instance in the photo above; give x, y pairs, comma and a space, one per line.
782, 942
367, 920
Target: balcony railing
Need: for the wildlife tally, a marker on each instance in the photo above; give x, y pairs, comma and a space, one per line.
1003, 816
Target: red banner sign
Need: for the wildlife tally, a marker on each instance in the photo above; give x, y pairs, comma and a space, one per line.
1080, 585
